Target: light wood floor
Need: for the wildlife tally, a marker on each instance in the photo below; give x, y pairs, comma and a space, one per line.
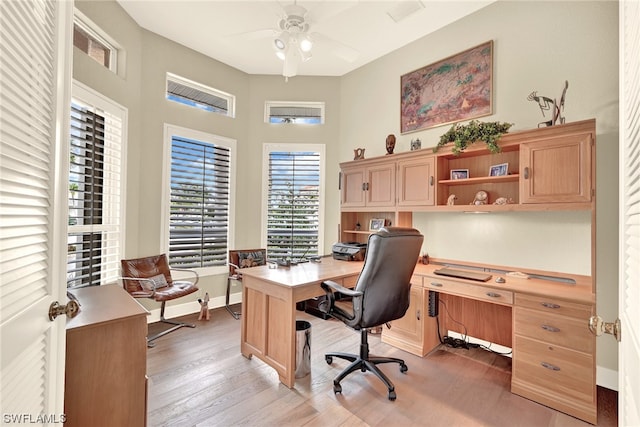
197, 377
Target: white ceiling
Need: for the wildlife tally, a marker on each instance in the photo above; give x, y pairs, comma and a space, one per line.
240, 33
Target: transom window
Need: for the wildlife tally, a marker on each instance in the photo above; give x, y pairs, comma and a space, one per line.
90, 39
310, 113
197, 95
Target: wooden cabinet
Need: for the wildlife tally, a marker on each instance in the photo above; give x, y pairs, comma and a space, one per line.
556, 170
106, 360
554, 355
373, 185
407, 333
546, 169
416, 181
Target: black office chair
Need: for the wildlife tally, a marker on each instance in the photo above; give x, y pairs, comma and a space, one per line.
381, 295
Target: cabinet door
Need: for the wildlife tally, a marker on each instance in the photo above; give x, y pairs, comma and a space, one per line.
416, 186
381, 185
407, 331
353, 181
556, 170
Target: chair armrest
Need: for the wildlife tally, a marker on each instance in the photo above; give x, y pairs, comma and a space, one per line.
195, 273
329, 306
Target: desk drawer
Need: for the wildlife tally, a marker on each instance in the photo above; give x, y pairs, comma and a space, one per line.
553, 306
560, 330
554, 370
468, 290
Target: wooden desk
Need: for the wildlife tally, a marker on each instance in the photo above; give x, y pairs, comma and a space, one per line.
269, 298
106, 360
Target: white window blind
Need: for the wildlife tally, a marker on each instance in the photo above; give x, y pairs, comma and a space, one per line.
95, 194
200, 203
293, 204
197, 95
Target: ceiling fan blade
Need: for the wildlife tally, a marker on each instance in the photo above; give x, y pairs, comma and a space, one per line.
254, 35
341, 50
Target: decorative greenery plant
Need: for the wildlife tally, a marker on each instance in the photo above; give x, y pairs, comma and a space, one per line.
464, 135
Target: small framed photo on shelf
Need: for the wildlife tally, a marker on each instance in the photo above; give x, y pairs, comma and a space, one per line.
499, 170
459, 173
376, 224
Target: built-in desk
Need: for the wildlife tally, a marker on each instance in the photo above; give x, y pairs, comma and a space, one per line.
545, 322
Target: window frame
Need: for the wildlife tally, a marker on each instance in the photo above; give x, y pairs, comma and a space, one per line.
169, 132
294, 104
89, 96
268, 148
93, 30
231, 99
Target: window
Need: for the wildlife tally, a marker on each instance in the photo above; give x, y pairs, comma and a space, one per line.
200, 207
294, 200
196, 95
90, 39
96, 167
294, 112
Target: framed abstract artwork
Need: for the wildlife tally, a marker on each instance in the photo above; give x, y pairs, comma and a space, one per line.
451, 90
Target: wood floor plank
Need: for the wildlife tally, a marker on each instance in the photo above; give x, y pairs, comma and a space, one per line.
197, 377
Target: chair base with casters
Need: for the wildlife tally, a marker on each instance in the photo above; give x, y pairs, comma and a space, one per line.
150, 277
364, 362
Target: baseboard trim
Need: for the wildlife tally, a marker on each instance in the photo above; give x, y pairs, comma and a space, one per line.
191, 307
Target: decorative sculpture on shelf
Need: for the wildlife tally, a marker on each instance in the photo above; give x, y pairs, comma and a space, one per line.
451, 200
546, 103
503, 201
482, 198
391, 143
416, 144
358, 154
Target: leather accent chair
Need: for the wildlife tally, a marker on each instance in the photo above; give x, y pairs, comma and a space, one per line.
381, 295
150, 277
239, 259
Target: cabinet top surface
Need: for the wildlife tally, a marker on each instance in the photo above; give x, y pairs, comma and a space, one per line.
536, 284
515, 137
102, 304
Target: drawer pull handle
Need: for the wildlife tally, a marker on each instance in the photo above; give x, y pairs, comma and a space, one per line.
549, 328
549, 305
550, 366
493, 295
436, 284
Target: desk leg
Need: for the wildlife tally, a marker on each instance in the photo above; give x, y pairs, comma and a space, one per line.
268, 326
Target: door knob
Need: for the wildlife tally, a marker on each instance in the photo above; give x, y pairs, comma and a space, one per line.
597, 326
70, 309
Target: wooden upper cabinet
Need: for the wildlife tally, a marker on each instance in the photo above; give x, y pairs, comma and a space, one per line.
372, 185
557, 170
416, 181
352, 186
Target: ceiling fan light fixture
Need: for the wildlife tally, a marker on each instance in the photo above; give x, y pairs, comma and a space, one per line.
306, 44
280, 43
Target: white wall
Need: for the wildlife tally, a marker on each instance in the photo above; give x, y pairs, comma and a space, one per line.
537, 46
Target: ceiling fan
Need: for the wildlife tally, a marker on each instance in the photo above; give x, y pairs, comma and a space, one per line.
293, 41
